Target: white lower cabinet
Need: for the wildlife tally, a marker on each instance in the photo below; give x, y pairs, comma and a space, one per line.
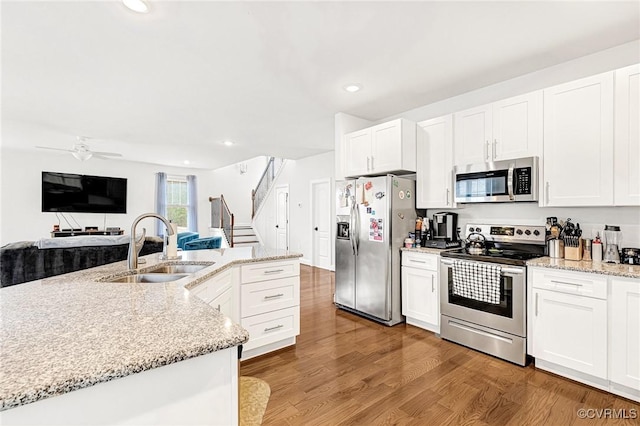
264, 297
586, 326
624, 308
420, 301
217, 291
576, 334
270, 305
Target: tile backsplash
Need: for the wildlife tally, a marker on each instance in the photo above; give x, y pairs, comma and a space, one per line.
591, 219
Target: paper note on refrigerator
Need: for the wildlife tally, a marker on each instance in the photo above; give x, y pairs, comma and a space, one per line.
375, 229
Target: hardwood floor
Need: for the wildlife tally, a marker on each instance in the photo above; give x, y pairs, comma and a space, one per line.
346, 370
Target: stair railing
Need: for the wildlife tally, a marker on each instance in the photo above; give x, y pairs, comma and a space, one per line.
268, 176
221, 217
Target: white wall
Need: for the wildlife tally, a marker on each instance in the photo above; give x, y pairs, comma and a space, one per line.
20, 197
237, 187
529, 213
298, 174
606, 60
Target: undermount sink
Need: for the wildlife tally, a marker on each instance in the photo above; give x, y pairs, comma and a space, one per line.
178, 269
148, 278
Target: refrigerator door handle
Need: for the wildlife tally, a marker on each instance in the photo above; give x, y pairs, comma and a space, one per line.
356, 214
351, 229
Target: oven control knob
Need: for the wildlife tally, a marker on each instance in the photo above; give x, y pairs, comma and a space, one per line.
478, 229
519, 232
527, 232
536, 232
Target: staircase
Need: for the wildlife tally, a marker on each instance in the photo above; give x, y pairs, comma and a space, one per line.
244, 235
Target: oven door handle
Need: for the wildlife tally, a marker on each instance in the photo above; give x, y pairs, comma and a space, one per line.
510, 271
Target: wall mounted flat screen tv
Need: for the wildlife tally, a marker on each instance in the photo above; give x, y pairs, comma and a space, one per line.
66, 192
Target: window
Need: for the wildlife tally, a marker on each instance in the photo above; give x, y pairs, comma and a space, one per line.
177, 201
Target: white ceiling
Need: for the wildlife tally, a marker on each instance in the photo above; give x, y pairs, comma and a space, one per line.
171, 85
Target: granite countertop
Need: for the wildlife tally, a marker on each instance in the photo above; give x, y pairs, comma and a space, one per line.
429, 250
71, 331
629, 271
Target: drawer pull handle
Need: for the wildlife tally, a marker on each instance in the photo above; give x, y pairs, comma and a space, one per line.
274, 271
565, 282
273, 328
433, 287
417, 261
273, 296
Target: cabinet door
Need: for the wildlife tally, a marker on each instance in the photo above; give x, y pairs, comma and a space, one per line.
578, 143
420, 295
358, 151
435, 163
570, 331
627, 137
472, 135
625, 332
224, 304
517, 127
386, 147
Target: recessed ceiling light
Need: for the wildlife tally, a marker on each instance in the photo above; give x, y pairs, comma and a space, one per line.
352, 88
136, 5
227, 143
186, 162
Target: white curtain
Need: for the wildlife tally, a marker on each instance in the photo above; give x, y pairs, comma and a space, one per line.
192, 202
161, 201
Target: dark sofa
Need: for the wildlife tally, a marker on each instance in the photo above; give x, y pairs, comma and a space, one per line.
23, 261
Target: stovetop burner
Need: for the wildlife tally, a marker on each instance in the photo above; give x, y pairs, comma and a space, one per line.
506, 244
509, 257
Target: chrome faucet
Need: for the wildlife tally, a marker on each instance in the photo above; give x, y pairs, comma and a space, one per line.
136, 245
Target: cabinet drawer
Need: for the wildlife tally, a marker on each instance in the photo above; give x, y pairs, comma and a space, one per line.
269, 270
272, 327
420, 260
261, 297
213, 287
583, 284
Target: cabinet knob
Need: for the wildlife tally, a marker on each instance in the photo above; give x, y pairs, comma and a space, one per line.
277, 226
316, 228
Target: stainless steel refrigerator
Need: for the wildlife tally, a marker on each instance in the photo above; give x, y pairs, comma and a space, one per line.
374, 216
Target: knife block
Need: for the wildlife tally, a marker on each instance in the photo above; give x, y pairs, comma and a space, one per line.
573, 253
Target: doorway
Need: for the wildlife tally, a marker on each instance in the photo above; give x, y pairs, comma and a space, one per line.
321, 229
282, 217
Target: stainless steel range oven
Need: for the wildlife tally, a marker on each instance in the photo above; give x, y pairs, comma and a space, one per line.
483, 295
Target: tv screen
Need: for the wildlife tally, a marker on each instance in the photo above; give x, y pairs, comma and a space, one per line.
66, 192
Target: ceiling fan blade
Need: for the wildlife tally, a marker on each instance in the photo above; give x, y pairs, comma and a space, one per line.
54, 149
107, 154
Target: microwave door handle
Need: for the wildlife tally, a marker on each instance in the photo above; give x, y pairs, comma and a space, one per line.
510, 183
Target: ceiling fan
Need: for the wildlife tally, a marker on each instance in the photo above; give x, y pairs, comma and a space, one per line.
82, 152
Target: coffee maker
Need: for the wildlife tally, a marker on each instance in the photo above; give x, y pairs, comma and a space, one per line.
445, 226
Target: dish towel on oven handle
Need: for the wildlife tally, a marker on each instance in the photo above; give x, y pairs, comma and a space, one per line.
477, 281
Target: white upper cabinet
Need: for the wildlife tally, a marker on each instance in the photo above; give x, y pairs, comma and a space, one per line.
508, 129
472, 135
434, 175
578, 143
384, 148
517, 127
627, 136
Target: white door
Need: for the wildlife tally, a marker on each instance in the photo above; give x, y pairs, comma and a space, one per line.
578, 143
282, 217
321, 223
472, 135
627, 137
435, 163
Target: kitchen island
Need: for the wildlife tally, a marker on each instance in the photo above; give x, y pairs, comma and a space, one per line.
171, 353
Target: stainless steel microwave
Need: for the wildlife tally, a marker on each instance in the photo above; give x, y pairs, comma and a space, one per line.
498, 181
